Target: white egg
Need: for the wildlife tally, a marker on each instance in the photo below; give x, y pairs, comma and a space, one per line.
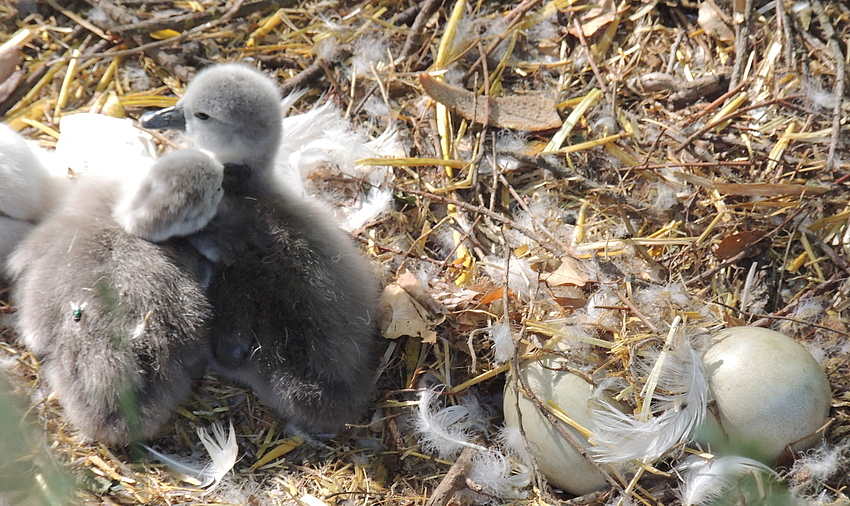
769, 393
557, 459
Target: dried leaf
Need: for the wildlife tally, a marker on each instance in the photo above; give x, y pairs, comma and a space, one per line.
495, 295
415, 289
736, 243
570, 302
164, 34
568, 273
711, 22
516, 112
595, 18
401, 315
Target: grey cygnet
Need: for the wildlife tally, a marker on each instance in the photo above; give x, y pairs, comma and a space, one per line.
295, 301
24, 192
119, 323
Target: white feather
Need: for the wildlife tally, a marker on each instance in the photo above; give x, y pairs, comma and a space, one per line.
510, 439
322, 141
498, 475
222, 450
503, 342
445, 431
620, 438
705, 480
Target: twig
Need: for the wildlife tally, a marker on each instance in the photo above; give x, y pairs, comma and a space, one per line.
742, 36
454, 480
427, 9
306, 77
159, 43
185, 21
534, 220
731, 115
398, 252
531, 396
717, 103
488, 213
636, 311
583, 183
814, 292
512, 18
80, 21
824, 247
783, 318
838, 56
589, 55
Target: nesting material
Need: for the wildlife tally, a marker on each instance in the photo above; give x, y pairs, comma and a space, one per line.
693, 176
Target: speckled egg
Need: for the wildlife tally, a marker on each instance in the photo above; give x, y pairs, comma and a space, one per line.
558, 460
768, 391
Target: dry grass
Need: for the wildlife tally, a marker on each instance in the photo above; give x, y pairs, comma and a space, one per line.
652, 183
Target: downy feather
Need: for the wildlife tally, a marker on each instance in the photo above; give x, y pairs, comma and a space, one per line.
222, 450
620, 438
445, 431
706, 480
498, 476
503, 342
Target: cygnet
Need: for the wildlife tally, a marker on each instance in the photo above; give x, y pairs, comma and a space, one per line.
295, 301
120, 323
23, 190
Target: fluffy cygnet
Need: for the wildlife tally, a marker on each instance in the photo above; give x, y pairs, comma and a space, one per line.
177, 197
295, 301
119, 323
23, 190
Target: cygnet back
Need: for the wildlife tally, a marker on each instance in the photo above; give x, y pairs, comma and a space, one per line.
178, 196
297, 321
120, 324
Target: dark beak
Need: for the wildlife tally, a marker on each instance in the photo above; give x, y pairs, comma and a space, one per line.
170, 118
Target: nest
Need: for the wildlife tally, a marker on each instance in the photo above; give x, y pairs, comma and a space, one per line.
699, 172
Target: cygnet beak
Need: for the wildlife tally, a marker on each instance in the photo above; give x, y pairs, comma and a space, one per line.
170, 118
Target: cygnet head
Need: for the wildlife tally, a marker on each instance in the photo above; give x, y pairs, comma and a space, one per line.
177, 197
232, 111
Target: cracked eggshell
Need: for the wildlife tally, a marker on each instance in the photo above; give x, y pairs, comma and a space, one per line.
768, 392
557, 459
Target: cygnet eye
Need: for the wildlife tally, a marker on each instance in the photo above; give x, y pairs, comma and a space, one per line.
202, 116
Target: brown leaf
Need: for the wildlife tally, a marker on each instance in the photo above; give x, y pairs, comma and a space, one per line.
596, 17
711, 22
570, 302
496, 295
516, 112
568, 273
415, 289
736, 243
401, 315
